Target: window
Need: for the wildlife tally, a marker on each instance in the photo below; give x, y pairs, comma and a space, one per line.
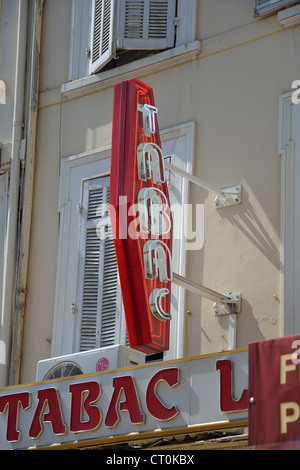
289, 148
129, 24
88, 304
110, 33
266, 7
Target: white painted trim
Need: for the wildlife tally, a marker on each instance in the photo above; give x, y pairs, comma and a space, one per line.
137, 69
289, 17
286, 149
269, 7
186, 30
186, 164
79, 42
75, 168
3, 218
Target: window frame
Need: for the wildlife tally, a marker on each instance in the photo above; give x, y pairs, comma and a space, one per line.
287, 151
79, 40
271, 6
79, 63
74, 169
78, 168
4, 188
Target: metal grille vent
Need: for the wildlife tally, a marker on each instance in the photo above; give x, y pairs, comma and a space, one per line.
63, 369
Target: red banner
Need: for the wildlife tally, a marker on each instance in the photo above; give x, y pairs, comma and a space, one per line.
141, 217
274, 393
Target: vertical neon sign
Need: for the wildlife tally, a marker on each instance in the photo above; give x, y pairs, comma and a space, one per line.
141, 217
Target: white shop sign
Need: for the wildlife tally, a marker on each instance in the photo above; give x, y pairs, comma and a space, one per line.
205, 392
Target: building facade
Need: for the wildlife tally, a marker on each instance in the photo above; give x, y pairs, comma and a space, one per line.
225, 76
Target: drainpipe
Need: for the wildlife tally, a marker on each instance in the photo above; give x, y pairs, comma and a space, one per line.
12, 216
21, 287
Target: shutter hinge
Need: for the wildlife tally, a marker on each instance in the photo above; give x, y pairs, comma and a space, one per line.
176, 21
79, 208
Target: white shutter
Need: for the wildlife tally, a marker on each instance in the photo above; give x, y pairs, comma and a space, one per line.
109, 292
99, 301
146, 24
263, 7
129, 24
103, 34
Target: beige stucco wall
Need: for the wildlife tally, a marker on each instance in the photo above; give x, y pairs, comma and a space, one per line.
231, 90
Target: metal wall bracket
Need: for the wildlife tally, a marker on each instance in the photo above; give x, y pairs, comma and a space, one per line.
223, 197
229, 197
233, 305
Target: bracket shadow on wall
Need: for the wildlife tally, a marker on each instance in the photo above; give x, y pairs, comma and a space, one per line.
134, 103
223, 304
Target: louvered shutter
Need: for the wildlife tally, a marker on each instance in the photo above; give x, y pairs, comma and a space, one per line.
129, 24
103, 34
262, 7
146, 24
99, 304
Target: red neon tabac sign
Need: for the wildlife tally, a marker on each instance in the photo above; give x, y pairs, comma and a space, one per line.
141, 217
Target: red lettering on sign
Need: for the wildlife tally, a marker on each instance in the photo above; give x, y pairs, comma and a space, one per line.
130, 404
12, 402
47, 396
93, 391
154, 404
81, 409
227, 402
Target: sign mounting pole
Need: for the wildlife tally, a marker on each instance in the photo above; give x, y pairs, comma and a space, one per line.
231, 301
223, 197
223, 304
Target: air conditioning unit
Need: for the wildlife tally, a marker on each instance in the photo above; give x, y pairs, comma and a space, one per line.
88, 362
